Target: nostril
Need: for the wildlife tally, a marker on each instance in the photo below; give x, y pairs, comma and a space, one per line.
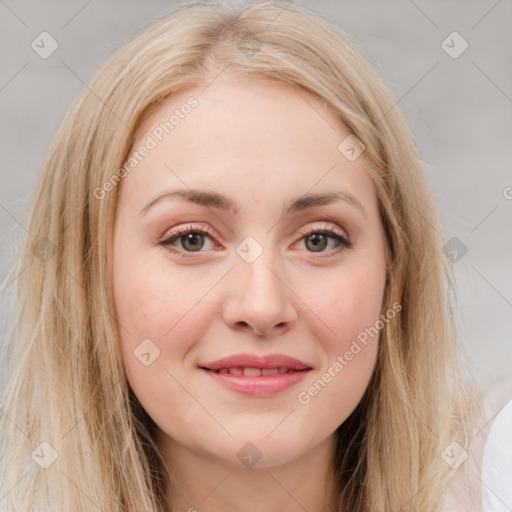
242, 325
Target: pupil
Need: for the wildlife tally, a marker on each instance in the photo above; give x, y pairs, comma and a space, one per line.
193, 238
319, 240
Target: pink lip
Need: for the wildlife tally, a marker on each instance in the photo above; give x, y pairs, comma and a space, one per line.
260, 385
253, 361
263, 385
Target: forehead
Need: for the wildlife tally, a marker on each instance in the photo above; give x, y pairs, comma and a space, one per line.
254, 138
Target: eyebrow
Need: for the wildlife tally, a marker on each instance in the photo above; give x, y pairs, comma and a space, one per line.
215, 200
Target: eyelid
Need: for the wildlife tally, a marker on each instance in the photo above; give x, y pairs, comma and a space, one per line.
326, 227
329, 228
185, 228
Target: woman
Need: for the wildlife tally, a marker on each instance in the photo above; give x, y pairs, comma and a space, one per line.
233, 293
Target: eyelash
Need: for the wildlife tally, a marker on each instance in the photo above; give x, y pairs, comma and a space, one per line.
185, 230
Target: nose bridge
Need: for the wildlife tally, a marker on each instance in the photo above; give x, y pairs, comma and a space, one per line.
257, 269
258, 295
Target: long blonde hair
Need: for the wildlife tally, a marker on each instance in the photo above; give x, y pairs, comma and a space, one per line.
67, 385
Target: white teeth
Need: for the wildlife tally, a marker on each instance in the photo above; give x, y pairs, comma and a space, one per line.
252, 372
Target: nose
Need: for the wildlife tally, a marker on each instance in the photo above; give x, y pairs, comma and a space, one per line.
258, 299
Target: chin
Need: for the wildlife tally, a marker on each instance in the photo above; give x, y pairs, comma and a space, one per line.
258, 450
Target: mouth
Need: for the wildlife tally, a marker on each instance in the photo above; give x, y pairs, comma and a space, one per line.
255, 375
254, 382
255, 372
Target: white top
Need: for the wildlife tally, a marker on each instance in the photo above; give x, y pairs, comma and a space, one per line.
497, 464
482, 481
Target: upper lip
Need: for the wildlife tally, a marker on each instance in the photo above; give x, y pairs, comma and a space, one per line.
254, 361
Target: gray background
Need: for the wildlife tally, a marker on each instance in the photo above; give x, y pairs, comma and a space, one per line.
459, 110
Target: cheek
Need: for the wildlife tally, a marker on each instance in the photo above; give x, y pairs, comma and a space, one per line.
347, 308
345, 305
153, 304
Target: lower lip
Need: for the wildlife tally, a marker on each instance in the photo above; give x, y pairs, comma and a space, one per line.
263, 385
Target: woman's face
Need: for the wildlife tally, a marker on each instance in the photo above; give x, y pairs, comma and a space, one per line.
256, 272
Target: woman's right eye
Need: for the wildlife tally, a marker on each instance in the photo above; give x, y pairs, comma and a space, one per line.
190, 239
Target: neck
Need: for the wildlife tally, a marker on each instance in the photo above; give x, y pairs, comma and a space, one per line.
199, 482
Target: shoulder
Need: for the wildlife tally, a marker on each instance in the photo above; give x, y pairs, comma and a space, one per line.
482, 482
497, 459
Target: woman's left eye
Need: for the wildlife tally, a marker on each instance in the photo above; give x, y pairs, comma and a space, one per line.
318, 239
193, 240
